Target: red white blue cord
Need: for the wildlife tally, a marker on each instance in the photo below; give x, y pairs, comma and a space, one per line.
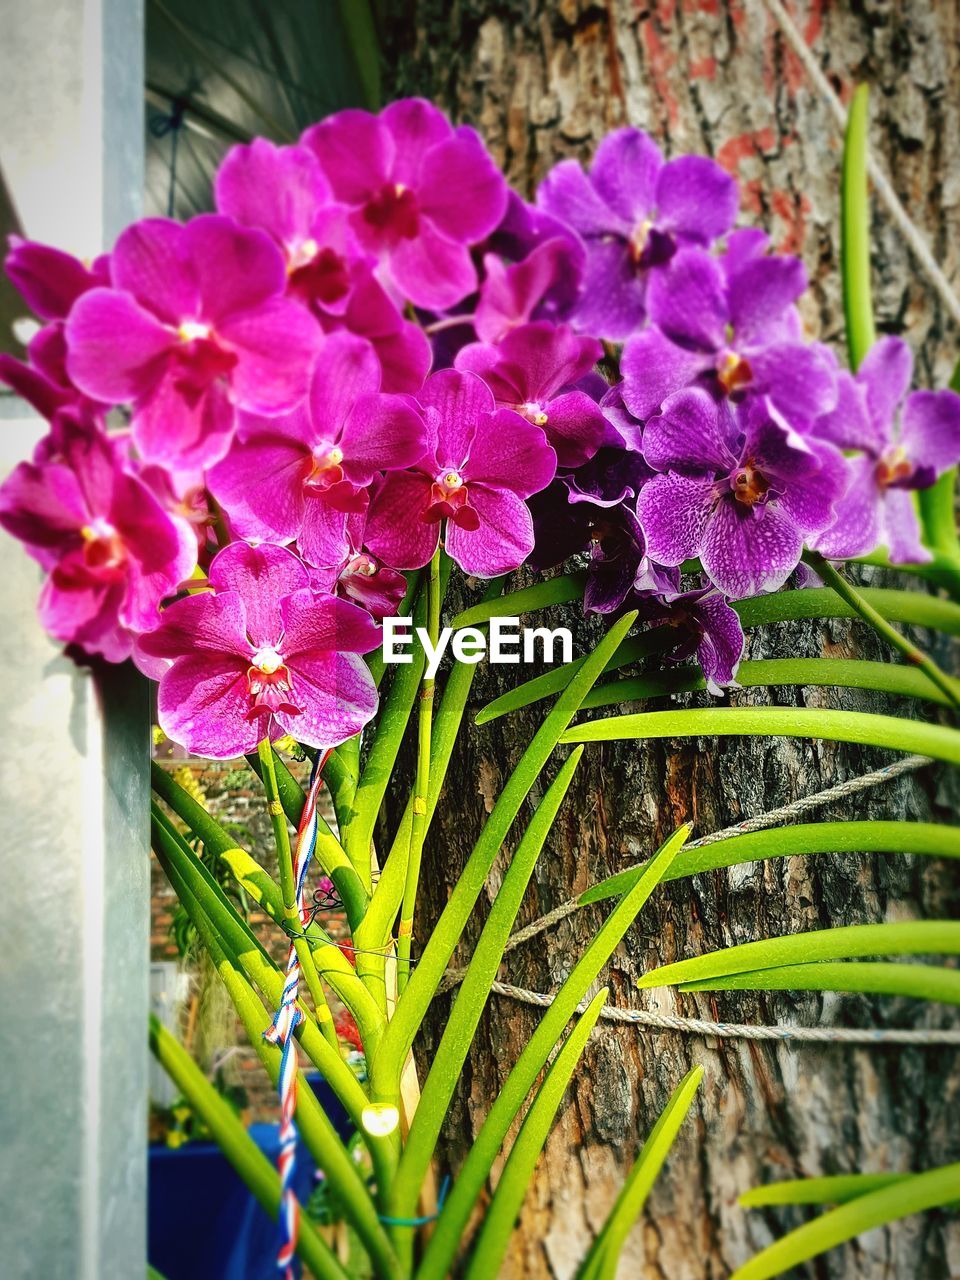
286, 1020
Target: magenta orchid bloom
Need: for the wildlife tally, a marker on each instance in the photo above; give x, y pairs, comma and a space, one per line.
49, 280
421, 193
738, 487
481, 465
262, 655
283, 191
193, 328
297, 476
357, 575
633, 212
902, 445
533, 371
111, 552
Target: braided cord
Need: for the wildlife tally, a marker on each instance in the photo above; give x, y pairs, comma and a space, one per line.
281, 1032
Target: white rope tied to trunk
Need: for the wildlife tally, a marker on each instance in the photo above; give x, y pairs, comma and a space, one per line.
737, 1030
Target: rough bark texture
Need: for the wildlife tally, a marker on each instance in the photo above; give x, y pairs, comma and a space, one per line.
543, 81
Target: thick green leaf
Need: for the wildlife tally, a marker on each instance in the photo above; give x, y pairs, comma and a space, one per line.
450, 1055
911, 607
806, 838
560, 590
842, 673
868, 730
401, 1030
470, 1181
601, 1262
514, 1182
875, 1209
839, 1189
914, 937
236, 1144
855, 231
920, 981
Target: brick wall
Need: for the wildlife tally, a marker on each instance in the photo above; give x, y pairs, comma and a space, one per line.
234, 796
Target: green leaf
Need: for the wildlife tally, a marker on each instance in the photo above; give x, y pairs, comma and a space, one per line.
560, 590
601, 1261
452, 1222
195, 886
357, 19
263, 889
411, 1007
450, 1055
913, 937
911, 607
919, 981
514, 1182
314, 1125
909, 1195
934, 740
839, 1189
236, 1144
842, 673
805, 838
855, 231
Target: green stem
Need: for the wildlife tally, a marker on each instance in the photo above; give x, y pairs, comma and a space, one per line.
419, 823
865, 610
237, 1145
293, 922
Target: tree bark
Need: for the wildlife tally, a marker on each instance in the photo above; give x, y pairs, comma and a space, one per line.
543, 81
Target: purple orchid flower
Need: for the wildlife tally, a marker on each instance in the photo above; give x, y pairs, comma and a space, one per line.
533, 371
730, 326
110, 551
297, 476
481, 464
194, 327
357, 575
633, 212
421, 193
903, 444
738, 487
703, 624
262, 655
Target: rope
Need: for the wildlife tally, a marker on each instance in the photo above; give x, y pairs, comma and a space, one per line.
744, 1031
881, 183
736, 1030
906, 765
285, 1022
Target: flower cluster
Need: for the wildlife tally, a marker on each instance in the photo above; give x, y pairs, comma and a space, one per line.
262, 419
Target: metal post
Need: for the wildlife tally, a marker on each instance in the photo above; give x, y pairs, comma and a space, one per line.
74, 906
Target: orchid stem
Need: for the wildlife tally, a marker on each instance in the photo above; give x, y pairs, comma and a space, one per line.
418, 825
288, 889
848, 593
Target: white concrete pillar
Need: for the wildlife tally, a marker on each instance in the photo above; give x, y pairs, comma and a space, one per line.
74, 874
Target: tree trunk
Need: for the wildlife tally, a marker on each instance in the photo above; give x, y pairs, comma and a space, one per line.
547, 80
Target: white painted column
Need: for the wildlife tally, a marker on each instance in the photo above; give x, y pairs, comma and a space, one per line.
74, 874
